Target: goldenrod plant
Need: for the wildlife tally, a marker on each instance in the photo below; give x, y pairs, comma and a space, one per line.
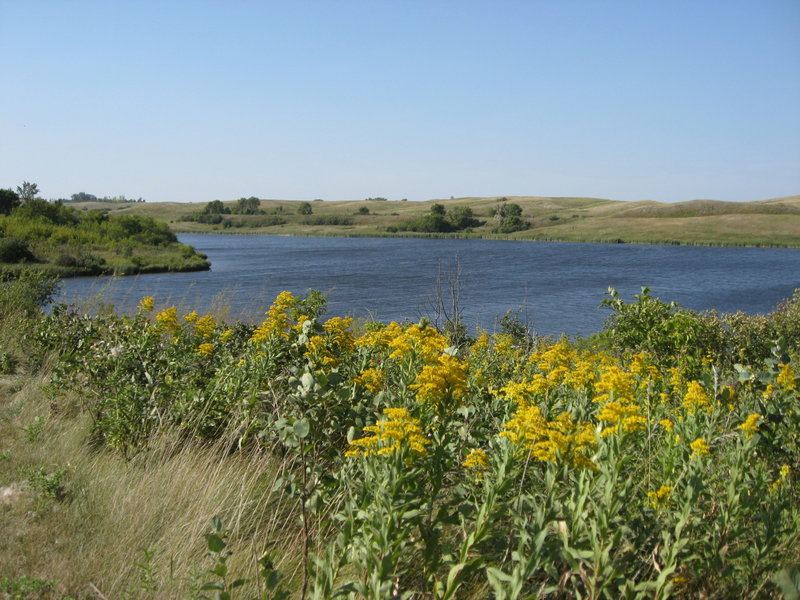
380, 461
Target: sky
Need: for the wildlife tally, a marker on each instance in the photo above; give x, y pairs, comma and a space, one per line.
418, 99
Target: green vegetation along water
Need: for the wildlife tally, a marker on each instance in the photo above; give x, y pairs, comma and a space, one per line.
312, 457
63, 241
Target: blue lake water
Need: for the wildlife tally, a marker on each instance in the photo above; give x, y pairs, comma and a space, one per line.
559, 286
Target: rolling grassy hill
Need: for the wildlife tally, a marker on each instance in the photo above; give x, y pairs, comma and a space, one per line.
773, 222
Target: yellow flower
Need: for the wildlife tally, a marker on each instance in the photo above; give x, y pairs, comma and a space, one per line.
667, 424
443, 383
226, 335
278, 319
520, 393
168, 319
482, 343
614, 383
477, 460
146, 304
783, 475
786, 378
699, 448
750, 425
623, 416
549, 440
205, 349
191, 317
371, 379
205, 326
398, 431
426, 342
695, 397
660, 498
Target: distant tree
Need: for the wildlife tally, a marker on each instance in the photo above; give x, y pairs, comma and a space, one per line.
27, 191
509, 217
83, 197
53, 212
507, 209
438, 209
462, 217
216, 207
363, 210
304, 208
247, 206
9, 200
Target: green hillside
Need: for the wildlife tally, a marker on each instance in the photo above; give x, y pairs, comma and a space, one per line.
773, 222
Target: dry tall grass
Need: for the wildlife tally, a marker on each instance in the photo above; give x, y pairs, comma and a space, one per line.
114, 513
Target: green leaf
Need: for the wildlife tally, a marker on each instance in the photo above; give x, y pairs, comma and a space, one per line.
215, 543
788, 579
301, 428
213, 585
307, 381
272, 579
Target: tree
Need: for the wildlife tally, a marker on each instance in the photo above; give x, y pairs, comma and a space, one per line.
507, 209
305, 208
437, 209
247, 206
9, 200
509, 218
27, 191
216, 207
83, 197
462, 217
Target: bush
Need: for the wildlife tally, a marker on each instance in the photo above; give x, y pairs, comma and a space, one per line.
15, 250
327, 220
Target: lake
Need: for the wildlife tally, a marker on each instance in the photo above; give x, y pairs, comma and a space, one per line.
557, 287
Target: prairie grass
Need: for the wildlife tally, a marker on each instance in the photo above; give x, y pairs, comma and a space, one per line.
131, 528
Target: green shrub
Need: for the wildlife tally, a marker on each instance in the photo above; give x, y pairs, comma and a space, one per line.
15, 250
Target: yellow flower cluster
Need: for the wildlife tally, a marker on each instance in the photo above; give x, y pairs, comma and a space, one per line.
550, 440
425, 342
622, 416
205, 326
168, 319
659, 499
699, 448
695, 398
786, 378
617, 397
477, 460
443, 384
146, 304
783, 475
750, 425
278, 321
397, 432
371, 379
615, 384
328, 350
205, 349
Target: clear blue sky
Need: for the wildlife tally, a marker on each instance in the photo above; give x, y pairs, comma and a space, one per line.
419, 99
